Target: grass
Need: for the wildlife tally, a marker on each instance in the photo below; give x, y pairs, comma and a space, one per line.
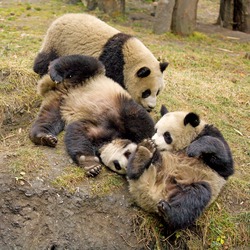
207, 74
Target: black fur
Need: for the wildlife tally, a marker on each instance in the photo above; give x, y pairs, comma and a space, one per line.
143, 72
84, 137
112, 57
185, 205
145, 155
163, 66
77, 68
41, 63
48, 124
213, 149
192, 119
77, 142
163, 110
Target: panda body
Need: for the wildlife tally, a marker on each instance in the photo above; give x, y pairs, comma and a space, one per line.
181, 170
126, 59
93, 109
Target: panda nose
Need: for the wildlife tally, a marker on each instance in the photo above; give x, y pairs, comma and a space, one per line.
117, 165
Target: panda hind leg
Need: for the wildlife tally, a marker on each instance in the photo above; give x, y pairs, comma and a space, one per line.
141, 159
48, 124
80, 149
185, 205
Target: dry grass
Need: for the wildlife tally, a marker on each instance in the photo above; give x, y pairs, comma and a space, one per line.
207, 74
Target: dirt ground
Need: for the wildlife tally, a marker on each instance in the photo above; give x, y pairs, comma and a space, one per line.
36, 215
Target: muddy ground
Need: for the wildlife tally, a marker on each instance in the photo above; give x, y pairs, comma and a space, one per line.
34, 214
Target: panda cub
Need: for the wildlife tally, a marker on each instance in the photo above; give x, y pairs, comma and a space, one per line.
93, 109
181, 170
126, 59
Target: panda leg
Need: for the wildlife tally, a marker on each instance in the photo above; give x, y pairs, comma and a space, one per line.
41, 63
141, 159
185, 205
214, 152
80, 149
48, 124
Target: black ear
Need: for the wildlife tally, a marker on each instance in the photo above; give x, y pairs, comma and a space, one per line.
163, 66
143, 72
163, 110
192, 119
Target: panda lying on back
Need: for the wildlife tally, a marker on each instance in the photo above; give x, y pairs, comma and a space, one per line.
181, 170
95, 109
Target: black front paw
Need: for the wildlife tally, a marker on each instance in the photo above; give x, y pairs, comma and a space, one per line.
193, 151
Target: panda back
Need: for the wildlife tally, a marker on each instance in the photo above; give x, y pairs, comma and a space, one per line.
77, 33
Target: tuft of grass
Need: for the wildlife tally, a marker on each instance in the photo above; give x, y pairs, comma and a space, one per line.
69, 179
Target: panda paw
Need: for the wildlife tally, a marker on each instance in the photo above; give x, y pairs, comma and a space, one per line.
149, 145
48, 140
91, 165
164, 208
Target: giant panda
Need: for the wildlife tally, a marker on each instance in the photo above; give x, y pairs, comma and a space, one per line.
93, 108
180, 170
126, 59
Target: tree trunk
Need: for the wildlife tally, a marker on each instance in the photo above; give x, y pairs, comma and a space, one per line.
235, 14
184, 17
163, 16
111, 7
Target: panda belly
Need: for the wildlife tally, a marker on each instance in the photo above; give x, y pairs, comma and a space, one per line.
187, 170
145, 192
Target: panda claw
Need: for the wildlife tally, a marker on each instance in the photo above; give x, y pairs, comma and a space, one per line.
94, 171
163, 207
149, 144
49, 140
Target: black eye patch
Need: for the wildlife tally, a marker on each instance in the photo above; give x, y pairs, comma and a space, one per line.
127, 154
146, 93
117, 165
167, 137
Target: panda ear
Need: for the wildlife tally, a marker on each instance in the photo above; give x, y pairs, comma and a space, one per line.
163, 110
163, 66
143, 72
54, 71
192, 119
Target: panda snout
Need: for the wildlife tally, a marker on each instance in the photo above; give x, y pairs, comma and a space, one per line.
117, 165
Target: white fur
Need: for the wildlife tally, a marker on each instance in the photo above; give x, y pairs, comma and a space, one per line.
118, 149
86, 34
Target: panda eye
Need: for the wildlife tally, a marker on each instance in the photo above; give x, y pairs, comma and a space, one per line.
146, 93
167, 137
117, 165
127, 154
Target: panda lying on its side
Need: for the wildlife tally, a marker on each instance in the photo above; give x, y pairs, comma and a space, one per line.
95, 109
181, 170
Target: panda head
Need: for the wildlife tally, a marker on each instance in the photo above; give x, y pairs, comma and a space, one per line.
176, 130
143, 74
115, 154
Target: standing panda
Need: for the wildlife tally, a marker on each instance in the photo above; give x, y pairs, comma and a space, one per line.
127, 61
181, 170
93, 108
